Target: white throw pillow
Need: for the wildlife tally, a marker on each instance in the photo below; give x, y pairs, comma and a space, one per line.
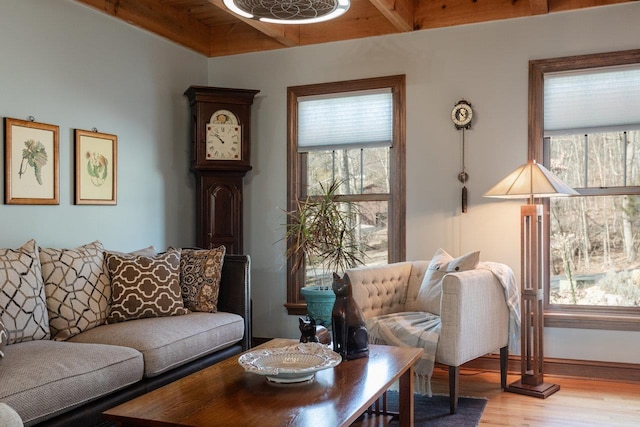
442, 263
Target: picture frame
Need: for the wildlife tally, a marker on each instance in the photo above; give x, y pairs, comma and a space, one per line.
96, 168
32, 167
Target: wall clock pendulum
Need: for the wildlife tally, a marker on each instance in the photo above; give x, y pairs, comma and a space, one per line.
461, 116
220, 158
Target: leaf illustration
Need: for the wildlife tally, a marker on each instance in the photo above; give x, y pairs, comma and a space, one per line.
36, 156
97, 168
106, 164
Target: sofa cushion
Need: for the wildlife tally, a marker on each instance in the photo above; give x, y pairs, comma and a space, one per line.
41, 379
168, 342
200, 272
442, 263
22, 300
145, 286
4, 337
77, 288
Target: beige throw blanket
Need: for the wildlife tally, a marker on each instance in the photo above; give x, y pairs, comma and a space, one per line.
410, 329
507, 279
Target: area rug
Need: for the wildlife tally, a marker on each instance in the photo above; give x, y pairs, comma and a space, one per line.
434, 411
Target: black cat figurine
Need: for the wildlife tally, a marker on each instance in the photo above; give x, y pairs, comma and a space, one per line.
308, 330
350, 335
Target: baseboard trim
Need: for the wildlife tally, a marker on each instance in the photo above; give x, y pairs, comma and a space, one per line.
587, 369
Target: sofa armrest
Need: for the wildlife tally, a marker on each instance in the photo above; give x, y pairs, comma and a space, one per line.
475, 316
381, 289
235, 291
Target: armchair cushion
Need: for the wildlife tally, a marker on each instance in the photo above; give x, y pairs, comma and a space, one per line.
429, 295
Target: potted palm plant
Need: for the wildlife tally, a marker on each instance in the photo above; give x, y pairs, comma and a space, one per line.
322, 236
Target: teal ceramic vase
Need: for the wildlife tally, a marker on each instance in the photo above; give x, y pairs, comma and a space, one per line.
319, 304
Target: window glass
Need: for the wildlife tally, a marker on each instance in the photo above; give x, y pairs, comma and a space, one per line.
361, 170
372, 231
594, 239
633, 158
595, 251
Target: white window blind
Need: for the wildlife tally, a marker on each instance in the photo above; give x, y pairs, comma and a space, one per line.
345, 121
604, 99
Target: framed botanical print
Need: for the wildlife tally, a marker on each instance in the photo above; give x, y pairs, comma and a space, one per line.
96, 168
31, 163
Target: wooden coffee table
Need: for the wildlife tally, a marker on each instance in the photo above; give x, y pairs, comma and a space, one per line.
225, 395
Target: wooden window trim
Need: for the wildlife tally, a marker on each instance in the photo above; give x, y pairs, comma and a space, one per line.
295, 304
614, 318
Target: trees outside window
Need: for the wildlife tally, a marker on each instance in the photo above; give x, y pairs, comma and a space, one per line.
595, 238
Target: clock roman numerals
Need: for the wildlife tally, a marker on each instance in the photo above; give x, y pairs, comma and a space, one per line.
223, 141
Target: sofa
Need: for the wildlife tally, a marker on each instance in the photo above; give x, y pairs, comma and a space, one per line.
85, 329
456, 309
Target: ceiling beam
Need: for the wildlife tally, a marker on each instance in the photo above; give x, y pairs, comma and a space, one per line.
288, 35
160, 19
400, 13
539, 7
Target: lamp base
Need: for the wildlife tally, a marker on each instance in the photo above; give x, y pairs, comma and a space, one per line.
542, 391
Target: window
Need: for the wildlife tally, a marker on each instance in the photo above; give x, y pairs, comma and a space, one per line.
585, 126
350, 132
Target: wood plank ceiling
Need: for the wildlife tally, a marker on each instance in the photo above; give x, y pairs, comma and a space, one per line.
207, 27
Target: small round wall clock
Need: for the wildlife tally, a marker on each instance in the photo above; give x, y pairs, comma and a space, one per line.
224, 137
462, 114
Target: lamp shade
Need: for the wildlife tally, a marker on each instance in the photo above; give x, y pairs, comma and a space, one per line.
528, 181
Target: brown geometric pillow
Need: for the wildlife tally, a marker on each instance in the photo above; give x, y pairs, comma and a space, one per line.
4, 337
145, 286
22, 303
148, 251
77, 288
200, 272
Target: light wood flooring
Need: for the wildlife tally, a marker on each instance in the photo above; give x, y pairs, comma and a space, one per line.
579, 402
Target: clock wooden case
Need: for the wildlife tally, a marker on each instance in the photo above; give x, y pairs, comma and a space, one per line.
220, 158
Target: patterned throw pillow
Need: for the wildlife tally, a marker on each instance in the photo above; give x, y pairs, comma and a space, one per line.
200, 272
442, 263
145, 286
22, 303
4, 337
148, 251
77, 288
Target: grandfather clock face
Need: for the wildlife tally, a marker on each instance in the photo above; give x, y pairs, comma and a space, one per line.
224, 137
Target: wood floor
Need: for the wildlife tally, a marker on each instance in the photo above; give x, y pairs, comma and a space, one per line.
578, 403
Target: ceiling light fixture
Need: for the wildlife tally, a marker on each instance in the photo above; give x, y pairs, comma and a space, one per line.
289, 11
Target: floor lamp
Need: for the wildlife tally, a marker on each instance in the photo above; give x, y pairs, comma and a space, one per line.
531, 180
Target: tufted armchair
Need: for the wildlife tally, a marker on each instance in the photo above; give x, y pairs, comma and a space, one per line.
474, 314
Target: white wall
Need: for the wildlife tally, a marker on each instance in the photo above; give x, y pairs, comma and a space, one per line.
486, 64
69, 65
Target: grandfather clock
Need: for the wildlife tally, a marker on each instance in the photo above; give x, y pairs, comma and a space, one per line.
220, 158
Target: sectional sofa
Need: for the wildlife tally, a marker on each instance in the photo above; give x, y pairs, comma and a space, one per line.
85, 329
